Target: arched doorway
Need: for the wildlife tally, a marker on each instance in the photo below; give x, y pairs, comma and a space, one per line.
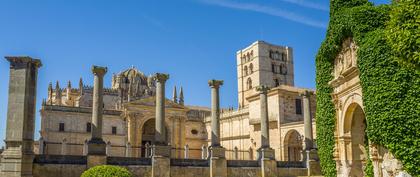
293, 146
148, 135
354, 131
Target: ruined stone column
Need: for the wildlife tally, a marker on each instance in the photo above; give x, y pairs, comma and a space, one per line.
218, 165
160, 135
266, 156
310, 155
215, 112
17, 158
161, 151
96, 145
307, 120
265, 137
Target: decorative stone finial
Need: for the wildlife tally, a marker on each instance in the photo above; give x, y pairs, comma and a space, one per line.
174, 96
262, 89
50, 86
57, 86
161, 77
69, 84
181, 96
215, 83
99, 70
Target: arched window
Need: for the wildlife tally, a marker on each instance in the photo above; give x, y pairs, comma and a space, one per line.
251, 68
283, 69
249, 84
276, 82
246, 70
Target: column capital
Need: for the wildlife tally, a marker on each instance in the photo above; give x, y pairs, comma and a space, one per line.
262, 89
306, 93
20, 61
161, 77
215, 83
99, 70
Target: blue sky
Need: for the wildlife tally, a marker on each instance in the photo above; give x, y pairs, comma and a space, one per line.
192, 40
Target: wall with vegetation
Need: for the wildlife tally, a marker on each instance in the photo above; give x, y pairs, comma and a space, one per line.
389, 75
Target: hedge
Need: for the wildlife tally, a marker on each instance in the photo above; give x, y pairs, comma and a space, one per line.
391, 91
106, 171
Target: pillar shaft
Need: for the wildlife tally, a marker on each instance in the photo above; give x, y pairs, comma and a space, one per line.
307, 120
97, 107
265, 136
215, 112
96, 145
160, 133
17, 158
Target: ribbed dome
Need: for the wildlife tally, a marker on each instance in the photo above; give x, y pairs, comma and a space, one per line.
133, 73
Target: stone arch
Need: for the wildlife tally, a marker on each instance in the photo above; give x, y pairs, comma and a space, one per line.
251, 68
246, 70
249, 84
293, 146
354, 137
147, 133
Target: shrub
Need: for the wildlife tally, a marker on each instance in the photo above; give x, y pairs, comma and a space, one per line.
106, 171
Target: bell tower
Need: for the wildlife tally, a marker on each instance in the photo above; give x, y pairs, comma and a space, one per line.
262, 63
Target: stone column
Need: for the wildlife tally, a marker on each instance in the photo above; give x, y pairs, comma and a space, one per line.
310, 155
307, 120
160, 135
215, 112
218, 165
17, 158
41, 145
266, 153
64, 147
265, 137
96, 145
128, 149
161, 151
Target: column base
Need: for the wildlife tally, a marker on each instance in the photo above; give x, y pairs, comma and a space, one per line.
161, 151
218, 164
268, 168
161, 166
266, 154
217, 152
16, 164
95, 160
17, 159
312, 162
96, 146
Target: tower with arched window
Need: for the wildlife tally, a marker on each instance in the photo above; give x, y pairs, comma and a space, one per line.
262, 63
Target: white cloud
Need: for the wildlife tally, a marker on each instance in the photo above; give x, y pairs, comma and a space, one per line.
269, 11
308, 4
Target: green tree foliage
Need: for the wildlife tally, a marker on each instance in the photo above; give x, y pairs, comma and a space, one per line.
106, 171
403, 32
391, 92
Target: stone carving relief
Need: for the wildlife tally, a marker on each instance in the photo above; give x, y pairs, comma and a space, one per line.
346, 59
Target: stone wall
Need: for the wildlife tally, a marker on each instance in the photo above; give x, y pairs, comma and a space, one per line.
74, 166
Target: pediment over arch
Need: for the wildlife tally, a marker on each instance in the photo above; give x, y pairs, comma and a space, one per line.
345, 63
150, 103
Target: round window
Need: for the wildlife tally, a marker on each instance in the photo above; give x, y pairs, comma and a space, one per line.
194, 131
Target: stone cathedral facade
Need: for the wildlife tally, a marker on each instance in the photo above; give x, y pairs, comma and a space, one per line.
129, 110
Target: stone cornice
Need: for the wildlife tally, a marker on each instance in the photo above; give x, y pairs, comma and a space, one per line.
77, 109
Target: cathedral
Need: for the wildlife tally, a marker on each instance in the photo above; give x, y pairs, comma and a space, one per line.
129, 113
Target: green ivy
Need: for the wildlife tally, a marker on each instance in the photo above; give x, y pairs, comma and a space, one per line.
391, 92
403, 32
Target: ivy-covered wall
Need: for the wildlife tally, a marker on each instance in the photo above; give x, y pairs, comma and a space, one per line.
391, 91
